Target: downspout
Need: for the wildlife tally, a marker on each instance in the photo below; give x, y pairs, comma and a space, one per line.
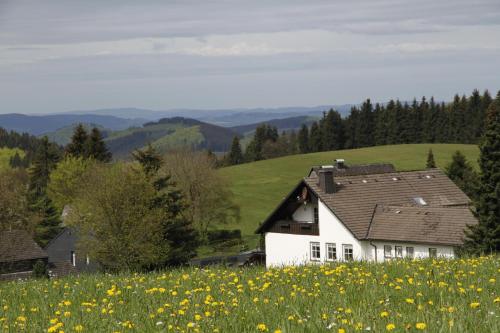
375, 247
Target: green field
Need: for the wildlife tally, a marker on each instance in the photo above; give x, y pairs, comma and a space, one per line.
400, 296
6, 154
258, 187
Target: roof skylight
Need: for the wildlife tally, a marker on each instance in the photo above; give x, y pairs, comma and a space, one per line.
420, 201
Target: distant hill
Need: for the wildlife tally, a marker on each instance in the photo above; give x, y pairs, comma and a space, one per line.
169, 133
221, 117
284, 124
41, 124
63, 135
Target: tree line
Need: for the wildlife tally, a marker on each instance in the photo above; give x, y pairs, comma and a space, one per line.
146, 214
396, 122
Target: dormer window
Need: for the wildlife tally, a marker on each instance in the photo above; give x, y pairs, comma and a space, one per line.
420, 201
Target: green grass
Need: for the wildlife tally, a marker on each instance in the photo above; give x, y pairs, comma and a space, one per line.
6, 154
258, 187
182, 137
403, 296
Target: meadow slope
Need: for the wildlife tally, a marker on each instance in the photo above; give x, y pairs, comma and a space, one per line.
459, 295
259, 186
6, 154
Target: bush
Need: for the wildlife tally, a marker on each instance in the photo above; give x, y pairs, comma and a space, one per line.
40, 270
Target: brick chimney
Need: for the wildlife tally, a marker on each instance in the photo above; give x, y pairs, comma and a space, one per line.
326, 182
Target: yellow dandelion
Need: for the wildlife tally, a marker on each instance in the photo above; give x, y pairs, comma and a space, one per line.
390, 327
474, 305
420, 326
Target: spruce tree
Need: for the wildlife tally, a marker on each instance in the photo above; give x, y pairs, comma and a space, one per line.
304, 139
236, 154
178, 232
96, 148
485, 236
44, 162
78, 145
315, 138
462, 174
430, 160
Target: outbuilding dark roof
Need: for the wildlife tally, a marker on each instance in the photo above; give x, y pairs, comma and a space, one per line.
435, 209
17, 245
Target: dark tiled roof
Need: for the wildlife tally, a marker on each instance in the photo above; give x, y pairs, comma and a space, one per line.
356, 197
17, 245
433, 225
355, 170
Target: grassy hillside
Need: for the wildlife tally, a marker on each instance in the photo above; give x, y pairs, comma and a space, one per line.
6, 154
258, 187
170, 133
459, 295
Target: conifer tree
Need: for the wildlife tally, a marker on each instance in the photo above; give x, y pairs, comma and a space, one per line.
303, 139
315, 138
462, 174
44, 162
78, 145
178, 232
430, 160
485, 236
96, 148
236, 154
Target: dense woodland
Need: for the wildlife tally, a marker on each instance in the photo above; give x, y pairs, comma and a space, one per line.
424, 121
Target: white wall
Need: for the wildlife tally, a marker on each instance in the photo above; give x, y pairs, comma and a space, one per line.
288, 249
305, 213
420, 250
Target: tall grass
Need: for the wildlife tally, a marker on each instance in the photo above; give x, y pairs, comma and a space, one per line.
402, 296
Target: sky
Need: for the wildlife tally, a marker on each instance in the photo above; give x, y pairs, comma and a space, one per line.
65, 55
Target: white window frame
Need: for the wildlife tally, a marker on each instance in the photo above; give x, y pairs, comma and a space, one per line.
73, 258
412, 255
400, 248
347, 247
313, 248
433, 249
388, 248
331, 246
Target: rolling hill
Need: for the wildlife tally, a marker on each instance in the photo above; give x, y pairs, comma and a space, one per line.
281, 124
259, 186
169, 133
41, 124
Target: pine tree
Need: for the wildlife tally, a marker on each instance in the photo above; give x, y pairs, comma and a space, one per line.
16, 161
44, 162
430, 160
96, 148
315, 138
178, 232
332, 133
78, 145
236, 154
50, 220
304, 139
485, 236
462, 174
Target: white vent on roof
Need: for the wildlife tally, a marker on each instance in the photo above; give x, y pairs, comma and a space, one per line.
428, 176
420, 201
364, 181
395, 178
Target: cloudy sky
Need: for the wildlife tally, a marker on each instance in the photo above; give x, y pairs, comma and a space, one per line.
73, 55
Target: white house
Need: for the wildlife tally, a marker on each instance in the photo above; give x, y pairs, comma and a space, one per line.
366, 212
